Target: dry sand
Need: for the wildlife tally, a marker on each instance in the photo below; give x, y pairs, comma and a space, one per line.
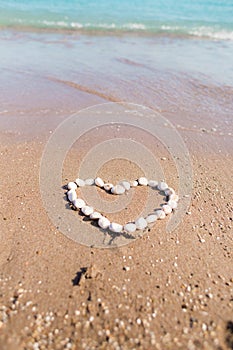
162, 291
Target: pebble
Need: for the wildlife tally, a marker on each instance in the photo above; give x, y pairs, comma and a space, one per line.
72, 186
114, 227
169, 191
151, 218
108, 186
160, 214
80, 182
103, 222
130, 227
125, 184
134, 183
143, 181
118, 189
167, 209
152, 183
99, 182
141, 223
78, 203
72, 195
172, 204
86, 210
162, 186
89, 182
174, 197
95, 215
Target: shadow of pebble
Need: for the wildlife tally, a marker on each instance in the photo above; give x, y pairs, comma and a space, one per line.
229, 335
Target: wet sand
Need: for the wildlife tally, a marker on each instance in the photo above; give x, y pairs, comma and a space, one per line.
161, 291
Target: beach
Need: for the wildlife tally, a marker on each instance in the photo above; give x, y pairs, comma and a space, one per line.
162, 290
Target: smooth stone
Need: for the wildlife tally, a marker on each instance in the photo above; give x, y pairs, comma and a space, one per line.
125, 184
169, 191
108, 186
151, 218
130, 227
103, 222
118, 189
79, 203
134, 183
95, 215
99, 182
160, 214
72, 195
167, 209
143, 181
162, 186
152, 183
80, 182
173, 204
86, 210
89, 182
141, 223
71, 186
174, 197
114, 227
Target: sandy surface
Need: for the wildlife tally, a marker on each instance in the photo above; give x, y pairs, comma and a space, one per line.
162, 291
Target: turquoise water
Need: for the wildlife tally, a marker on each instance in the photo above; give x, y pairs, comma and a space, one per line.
200, 18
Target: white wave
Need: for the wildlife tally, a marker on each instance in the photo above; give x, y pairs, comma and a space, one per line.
212, 33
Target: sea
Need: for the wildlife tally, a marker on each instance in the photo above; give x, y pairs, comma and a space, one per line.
195, 18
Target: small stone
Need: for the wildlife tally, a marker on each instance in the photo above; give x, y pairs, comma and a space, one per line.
108, 186
130, 227
86, 210
89, 182
72, 186
174, 197
126, 268
103, 222
151, 218
72, 195
118, 189
134, 183
114, 227
162, 186
78, 203
143, 181
160, 214
125, 184
95, 215
152, 183
167, 209
141, 223
172, 204
80, 182
169, 191
99, 182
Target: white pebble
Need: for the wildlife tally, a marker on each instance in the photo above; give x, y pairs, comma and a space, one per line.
174, 197
167, 209
151, 218
134, 183
141, 223
72, 195
162, 186
103, 222
125, 184
95, 215
78, 203
86, 210
152, 183
99, 182
72, 186
118, 189
160, 214
80, 182
130, 227
169, 191
173, 204
114, 227
143, 181
89, 182
108, 186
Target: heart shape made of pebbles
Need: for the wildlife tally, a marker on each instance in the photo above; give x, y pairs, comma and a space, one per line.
141, 223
